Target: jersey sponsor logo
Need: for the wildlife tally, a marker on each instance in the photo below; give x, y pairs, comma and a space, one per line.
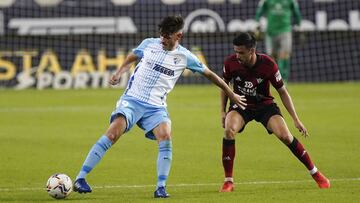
163, 70
248, 84
247, 90
277, 76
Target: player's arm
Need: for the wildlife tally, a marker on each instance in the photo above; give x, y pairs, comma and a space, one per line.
296, 12
260, 10
289, 105
237, 99
223, 103
124, 67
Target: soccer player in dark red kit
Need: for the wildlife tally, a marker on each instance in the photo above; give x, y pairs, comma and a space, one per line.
251, 74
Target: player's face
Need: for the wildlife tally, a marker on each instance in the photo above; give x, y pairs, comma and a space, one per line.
243, 54
170, 41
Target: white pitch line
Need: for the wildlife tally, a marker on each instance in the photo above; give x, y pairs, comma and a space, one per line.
190, 184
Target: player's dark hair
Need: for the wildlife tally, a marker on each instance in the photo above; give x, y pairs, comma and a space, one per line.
171, 24
245, 39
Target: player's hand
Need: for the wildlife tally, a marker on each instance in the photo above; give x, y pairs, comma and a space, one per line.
115, 79
223, 116
239, 100
301, 128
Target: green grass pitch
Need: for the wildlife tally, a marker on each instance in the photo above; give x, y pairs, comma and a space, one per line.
46, 132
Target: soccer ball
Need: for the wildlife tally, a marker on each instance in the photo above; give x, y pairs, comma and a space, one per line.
59, 186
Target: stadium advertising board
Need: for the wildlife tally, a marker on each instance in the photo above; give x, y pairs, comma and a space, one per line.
57, 44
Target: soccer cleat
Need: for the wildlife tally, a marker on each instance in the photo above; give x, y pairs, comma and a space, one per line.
227, 187
321, 180
81, 186
160, 192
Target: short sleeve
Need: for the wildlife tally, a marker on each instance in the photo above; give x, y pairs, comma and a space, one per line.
194, 64
139, 51
226, 72
275, 77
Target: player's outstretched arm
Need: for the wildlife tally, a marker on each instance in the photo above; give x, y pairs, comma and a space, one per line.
125, 66
289, 105
237, 99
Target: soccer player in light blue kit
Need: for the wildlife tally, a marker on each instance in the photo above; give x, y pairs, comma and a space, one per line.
162, 60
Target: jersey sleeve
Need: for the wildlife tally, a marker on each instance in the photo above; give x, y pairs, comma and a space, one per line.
194, 64
275, 77
226, 72
260, 10
139, 51
296, 11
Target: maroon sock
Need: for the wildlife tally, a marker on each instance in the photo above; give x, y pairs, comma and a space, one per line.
298, 150
228, 155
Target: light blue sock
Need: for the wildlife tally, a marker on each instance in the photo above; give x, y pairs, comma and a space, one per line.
95, 155
164, 162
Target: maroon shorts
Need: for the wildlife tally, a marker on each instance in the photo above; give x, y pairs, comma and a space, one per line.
261, 114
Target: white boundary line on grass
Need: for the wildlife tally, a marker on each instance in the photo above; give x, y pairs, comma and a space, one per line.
189, 184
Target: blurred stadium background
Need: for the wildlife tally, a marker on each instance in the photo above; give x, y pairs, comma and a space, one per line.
65, 44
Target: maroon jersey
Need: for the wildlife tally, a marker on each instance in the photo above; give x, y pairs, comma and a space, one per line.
253, 82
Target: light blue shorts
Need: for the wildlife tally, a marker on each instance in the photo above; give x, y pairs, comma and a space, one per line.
145, 115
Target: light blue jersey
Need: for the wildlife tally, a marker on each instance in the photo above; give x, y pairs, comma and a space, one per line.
144, 100
158, 70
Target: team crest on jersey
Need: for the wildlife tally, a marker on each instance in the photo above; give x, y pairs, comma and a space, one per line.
176, 60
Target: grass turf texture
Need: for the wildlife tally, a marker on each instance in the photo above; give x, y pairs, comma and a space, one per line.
46, 132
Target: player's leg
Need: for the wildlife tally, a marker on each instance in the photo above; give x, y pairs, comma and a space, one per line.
115, 130
269, 46
234, 122
157, 126
163, 135
128, 111
284, 51
277, 125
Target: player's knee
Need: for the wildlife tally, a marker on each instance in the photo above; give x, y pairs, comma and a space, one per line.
230, 133
165, 136
113, 135
285, 137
